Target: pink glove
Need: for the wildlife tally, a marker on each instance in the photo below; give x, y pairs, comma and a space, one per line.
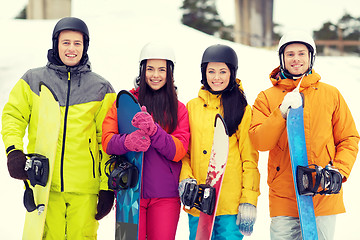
137, 141
144, 121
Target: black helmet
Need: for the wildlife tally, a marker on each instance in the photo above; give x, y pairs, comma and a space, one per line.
220, 53
70, 23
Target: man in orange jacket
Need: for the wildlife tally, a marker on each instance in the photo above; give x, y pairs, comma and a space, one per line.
330, 133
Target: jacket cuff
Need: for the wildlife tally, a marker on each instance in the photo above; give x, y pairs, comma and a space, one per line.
12, 148
116, 145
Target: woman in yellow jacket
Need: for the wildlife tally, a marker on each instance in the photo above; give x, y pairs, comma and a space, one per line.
330, 132
222, 93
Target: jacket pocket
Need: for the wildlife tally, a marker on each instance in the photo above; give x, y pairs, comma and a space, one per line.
330, 147
174, 175
92, 158
274, 164
100, 160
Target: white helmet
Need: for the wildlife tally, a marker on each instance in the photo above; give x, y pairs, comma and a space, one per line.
157, 50
296, 36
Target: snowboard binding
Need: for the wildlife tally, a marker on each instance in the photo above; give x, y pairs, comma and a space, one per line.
202, 197
29, 201
121, 173
37, 169
313, 180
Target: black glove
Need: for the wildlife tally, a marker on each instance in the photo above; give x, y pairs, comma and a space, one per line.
16, 164
105, 203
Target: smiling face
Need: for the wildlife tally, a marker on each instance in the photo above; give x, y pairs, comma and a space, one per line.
217, 76
296, 58
70, 47
155, 73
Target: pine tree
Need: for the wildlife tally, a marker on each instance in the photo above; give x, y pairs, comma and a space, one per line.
201, 15
349, 27
350, 30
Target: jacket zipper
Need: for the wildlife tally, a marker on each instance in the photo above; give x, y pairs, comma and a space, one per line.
92, 157
64, 135
100, 153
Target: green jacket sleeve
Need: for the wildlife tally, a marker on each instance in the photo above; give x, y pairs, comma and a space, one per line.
105, 107
16, 116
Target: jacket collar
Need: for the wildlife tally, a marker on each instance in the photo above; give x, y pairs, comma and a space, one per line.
289, 84
213, 99
65, 69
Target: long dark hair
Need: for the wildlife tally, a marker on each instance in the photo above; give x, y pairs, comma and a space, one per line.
232, 99
162, 103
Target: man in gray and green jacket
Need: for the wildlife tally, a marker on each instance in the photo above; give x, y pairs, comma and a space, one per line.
79, 195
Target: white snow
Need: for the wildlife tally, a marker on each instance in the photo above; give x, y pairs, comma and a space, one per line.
118, 30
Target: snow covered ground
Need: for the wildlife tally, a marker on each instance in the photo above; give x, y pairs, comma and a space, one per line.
118, 30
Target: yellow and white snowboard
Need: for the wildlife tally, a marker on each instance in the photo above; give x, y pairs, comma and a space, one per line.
46, 143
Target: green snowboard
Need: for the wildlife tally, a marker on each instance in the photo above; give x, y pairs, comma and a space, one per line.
46, 143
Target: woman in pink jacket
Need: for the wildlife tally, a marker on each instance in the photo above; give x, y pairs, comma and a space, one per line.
163, 136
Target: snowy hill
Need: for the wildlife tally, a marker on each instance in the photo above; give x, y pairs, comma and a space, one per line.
118, 31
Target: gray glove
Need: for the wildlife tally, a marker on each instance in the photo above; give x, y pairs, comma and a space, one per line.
183, 183
246, 218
